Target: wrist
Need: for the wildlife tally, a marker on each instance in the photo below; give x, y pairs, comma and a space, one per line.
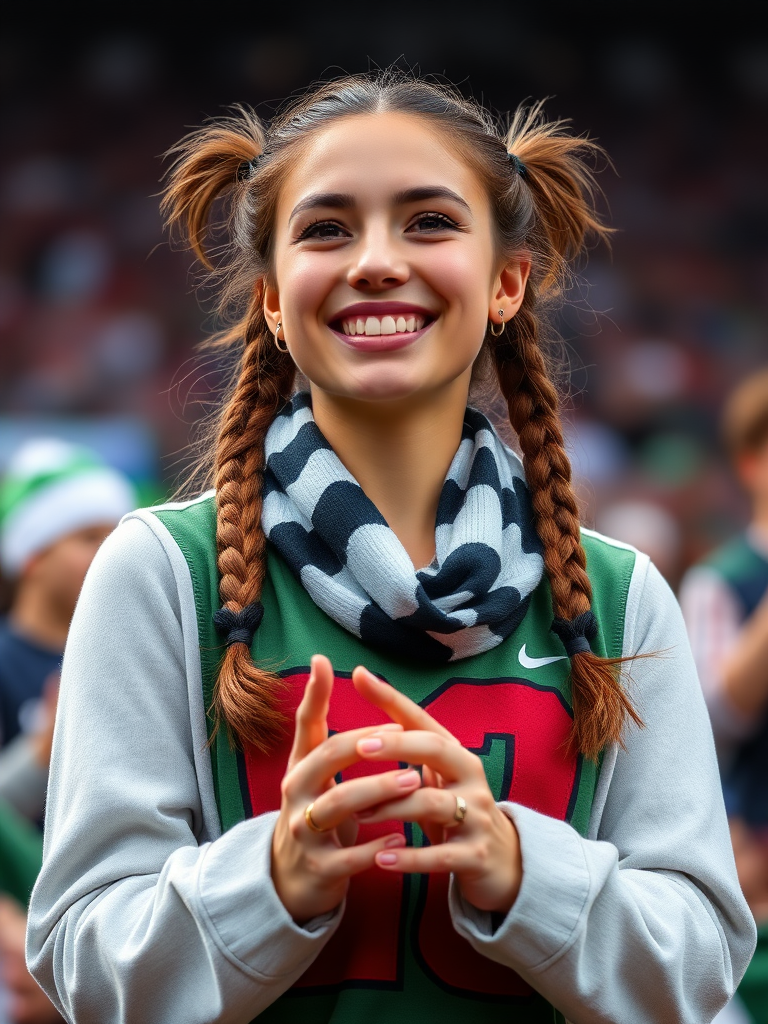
302, 898
495, 893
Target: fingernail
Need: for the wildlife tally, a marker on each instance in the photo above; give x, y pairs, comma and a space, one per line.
386, 858
395, 841
370, 746
410, 778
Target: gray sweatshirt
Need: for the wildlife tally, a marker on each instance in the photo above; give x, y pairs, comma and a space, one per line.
145, 912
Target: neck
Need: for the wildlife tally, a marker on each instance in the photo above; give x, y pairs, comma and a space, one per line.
39, 619
400, 454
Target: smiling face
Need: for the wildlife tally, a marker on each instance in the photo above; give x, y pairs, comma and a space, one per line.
385, 271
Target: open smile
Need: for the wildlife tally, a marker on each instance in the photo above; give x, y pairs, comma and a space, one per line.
381, 326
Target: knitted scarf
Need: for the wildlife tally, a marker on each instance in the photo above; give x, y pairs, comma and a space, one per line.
338, 545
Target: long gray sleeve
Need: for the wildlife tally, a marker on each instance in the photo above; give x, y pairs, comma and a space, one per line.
142, 911
148, 913
644, 921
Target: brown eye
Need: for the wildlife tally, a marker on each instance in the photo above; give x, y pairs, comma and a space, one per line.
428, 222
323, 229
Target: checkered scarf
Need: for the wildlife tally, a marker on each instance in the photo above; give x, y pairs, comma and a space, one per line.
338, 545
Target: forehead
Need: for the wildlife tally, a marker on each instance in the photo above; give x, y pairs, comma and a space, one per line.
374, 156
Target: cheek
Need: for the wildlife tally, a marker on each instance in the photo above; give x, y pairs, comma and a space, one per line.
78, 559
303, 287
462, 275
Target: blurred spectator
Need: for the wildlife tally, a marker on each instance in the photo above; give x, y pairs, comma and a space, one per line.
22, 1001
647, 526
58, 502
725, 604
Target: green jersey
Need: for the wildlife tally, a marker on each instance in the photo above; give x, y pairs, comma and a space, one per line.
396, 954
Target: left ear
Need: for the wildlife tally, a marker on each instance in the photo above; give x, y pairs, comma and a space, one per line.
270, 301
509, 290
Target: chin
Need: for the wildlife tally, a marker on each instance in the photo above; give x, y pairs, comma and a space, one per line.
382, 388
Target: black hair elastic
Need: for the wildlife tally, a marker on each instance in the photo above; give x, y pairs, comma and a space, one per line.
518, 164
239, 627
577, 633
247, 168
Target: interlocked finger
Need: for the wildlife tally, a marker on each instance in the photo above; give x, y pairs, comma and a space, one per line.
310, 820
311, 775
445, 756
356, 796
459, 812
442, 807
341, 863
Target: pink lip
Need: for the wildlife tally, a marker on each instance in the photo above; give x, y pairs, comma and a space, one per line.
383, 309
380, 342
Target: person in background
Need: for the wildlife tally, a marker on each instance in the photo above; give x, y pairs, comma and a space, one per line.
647, 526
724, 599
58, 502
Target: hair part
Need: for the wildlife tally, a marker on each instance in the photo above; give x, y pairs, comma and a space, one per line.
547, 215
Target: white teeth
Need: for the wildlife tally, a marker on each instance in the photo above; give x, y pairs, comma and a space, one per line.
373, 326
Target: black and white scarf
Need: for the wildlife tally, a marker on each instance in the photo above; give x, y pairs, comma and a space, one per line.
338, 545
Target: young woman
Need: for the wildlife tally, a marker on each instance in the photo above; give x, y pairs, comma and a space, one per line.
368, 731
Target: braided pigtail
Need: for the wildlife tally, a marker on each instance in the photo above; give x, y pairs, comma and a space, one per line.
220, 162
600, 704
245, 695
559, 189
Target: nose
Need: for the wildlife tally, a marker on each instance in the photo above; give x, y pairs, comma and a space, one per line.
378, 263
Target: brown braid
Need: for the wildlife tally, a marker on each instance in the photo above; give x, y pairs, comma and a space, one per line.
246, 696
600, 705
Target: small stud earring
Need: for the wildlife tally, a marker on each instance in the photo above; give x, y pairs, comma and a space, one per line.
277, 340
502, 326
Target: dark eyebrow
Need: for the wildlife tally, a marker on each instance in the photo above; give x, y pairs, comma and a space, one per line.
418, 195
343, 200
336, 200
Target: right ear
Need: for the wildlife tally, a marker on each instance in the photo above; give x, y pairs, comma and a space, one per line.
271, 305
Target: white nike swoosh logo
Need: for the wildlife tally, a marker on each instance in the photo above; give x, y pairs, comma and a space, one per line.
527, 662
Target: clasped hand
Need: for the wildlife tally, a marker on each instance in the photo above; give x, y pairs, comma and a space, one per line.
311, 870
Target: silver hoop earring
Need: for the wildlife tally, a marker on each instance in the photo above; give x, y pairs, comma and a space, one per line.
502, 326
277, 340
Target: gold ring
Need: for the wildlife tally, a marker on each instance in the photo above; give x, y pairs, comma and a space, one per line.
309, 819
460, 813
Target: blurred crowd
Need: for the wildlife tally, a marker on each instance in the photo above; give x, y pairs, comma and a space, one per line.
99, 316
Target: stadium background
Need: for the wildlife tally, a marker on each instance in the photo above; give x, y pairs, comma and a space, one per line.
98, 315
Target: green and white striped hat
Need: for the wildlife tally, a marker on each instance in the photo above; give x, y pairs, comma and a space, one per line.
51, 488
